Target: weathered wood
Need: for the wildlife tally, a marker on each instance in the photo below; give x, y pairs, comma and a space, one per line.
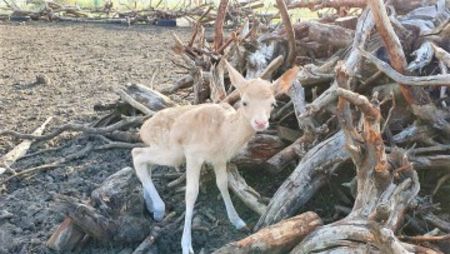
258, 150
432, 80
66, 237
285, 157
319, 4
419, 101
272, 67
379, 198
151, 99
322, 40
281, 5
348, 22
218, 26
251, 198
201, 88
114, 215
21, 149
424, 55
311, 173
217, 82
441, 54
278, 238
402, 6
182, 83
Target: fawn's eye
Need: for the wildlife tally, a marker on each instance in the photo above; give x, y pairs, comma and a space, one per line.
244, 104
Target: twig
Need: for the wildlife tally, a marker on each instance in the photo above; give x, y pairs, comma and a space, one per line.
20, 150
441, 54
135, 104
177, 181
440, 182
27, 172
78, 127
359, 100
425, 238
388, 118
52, 149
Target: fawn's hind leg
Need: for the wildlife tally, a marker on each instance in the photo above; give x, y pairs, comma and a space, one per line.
193, 168
142, 159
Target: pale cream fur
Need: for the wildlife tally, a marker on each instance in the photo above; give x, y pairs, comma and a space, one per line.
206, 133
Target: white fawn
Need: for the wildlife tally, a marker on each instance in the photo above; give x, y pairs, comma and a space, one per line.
206, 133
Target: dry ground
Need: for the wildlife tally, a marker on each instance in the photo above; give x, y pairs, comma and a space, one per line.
84, 64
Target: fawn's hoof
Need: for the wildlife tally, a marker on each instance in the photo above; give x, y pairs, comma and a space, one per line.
158, 215
187, 249
245, 229
239, 224
155, 207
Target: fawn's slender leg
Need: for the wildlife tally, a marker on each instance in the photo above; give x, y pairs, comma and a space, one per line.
141, 160
220, 170
193, 167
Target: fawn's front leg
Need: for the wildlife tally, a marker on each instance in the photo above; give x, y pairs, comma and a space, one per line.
220, 170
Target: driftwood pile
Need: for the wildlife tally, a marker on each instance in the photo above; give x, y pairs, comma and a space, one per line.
372, 95
52, 11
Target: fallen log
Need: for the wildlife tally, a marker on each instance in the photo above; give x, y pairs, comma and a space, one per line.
278, 238
115, 214
312, 172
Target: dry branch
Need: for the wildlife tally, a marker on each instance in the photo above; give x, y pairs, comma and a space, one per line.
281, 5
247, 194
127, 122
20, 150
218, 27
57, 163
432, 80
417, 98
320, 4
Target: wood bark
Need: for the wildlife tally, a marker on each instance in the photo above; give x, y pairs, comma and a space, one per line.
258, 150
312, 172
115, 214
417, 98
278, 238
251, 198
281, 5
305, 180
218, 27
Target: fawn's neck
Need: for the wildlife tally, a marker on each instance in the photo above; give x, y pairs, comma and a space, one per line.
238, 133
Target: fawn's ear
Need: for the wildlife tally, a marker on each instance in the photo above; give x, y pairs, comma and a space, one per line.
236, 78
283, 83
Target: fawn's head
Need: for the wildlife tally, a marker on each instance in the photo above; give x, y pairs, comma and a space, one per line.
258, 96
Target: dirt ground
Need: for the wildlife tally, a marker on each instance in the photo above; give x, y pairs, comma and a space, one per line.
84, 65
